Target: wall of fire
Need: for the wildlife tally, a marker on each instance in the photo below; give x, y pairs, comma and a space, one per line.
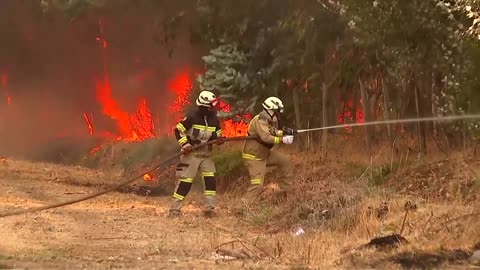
99, 76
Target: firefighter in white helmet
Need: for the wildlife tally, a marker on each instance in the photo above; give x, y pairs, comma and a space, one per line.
199, 126
258, 154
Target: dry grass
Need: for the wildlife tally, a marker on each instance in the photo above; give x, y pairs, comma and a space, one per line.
341, 212
338, 206
50, 172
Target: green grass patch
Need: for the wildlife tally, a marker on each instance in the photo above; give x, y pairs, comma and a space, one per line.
381, 173
476, 183
229, 163
376, 176
354, 169
258, 214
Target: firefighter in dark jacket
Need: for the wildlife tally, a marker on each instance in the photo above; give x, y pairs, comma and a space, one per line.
258, 154
199, 126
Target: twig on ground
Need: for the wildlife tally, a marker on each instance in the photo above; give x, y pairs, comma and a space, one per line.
256, 239
368, 231
404, 220
238, 240
220, 227
353, 234
428, 222
233, 254
227, 243
363, 174
244, 244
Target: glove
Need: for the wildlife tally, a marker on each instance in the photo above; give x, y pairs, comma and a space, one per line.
289, 131
220, 140
186, 148
287, 139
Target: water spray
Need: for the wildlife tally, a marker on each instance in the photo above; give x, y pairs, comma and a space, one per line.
398, 121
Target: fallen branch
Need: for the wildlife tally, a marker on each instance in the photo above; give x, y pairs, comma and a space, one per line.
219, 249
234, 254
404, 220
240, 241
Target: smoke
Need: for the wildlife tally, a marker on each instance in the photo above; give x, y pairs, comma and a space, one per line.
53, 66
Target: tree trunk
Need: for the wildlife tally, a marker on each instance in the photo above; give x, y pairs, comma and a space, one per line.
420, 129
366, 114
386, 108
423, 125
469, 111
324, 119
354, 106
332, 107
434, 109
296, 105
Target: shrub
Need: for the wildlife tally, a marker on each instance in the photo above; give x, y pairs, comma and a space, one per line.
67, 151
230, 169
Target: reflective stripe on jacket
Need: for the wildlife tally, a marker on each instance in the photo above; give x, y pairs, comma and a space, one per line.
266, 128
198, 128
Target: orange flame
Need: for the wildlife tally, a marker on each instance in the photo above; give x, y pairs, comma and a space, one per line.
346, 116
142, 122
89, 123
135, 127
110, 107
180, 86
140, 125
147, 177
232, 128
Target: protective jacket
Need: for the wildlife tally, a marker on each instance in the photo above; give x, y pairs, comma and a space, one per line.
197, 127
266, 128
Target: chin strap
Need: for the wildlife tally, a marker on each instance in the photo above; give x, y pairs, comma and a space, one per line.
270, 114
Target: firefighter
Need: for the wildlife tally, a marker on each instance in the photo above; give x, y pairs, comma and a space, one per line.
258, 154
199, 126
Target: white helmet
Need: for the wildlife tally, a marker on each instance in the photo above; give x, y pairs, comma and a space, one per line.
207, 99
273, 104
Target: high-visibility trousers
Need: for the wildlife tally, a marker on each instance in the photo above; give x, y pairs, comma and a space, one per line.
258, 167
186, 171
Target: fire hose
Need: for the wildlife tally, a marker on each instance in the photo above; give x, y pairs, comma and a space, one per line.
122, 184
